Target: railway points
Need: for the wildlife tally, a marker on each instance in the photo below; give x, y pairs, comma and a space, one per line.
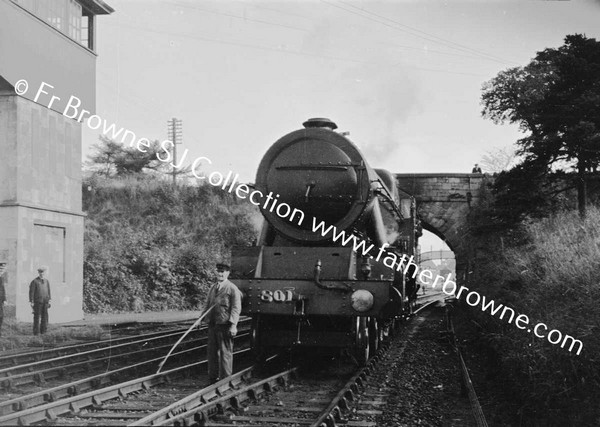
335, 393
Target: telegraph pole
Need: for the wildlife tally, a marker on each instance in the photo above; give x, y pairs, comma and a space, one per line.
174, 133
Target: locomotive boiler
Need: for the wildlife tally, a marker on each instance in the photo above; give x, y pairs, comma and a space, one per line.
334, 286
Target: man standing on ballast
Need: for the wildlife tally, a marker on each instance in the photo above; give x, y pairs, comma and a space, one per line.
222, 324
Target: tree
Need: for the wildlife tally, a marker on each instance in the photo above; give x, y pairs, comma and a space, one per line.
527, 190
556, 100
112, 158
498, 160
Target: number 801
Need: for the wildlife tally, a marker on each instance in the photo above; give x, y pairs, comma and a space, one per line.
277, 296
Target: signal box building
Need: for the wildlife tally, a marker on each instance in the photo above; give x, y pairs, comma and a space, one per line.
47, 49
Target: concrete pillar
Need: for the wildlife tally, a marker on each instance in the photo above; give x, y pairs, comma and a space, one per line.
41, 222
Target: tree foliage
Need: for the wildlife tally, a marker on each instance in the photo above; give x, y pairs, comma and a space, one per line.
555, 99
527, 191
498, 160
114, 159
548, 269
151, 247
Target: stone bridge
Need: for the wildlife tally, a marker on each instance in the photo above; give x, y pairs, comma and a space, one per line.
444, 201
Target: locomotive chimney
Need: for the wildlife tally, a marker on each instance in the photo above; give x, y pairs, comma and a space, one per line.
319, 123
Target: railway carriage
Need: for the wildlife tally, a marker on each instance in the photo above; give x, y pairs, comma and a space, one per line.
334, 289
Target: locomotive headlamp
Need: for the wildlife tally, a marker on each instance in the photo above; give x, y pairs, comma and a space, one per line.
362, 300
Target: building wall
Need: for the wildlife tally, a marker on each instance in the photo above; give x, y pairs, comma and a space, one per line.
41, 222
33, 50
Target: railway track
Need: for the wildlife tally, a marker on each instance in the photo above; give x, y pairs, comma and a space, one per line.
299, 396
27, 357
327, 397
50, 380
88, 383
467, 385
142, 352
296, 395
73, 364
69, 402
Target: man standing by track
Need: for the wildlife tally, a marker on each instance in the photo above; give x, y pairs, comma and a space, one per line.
222, 324
39, 298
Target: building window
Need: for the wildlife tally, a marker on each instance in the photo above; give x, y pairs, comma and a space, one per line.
85, 25
64, 15
74, 20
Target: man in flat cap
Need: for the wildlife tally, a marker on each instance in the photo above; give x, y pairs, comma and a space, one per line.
2, 294
39, 298
222, 324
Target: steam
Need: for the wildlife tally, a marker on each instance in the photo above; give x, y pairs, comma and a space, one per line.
377, 92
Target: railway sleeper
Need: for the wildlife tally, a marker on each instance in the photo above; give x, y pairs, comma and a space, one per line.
73, 390
21, 405
51, 415
8, 384
38, 378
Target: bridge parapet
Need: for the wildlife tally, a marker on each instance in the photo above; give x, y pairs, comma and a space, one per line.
441, 187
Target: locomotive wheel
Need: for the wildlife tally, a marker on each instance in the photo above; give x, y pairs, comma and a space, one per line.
374, 337
361, 341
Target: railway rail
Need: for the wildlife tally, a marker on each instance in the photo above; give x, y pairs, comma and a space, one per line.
26, 357
78, 404
148, 400
467, 384
99, 359
102, 379
62, 366
75, 362
297, 400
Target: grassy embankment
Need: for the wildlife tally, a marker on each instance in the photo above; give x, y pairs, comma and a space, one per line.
549, 269
149, 246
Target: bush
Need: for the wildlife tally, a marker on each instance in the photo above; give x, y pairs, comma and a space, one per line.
150, 245
551, 274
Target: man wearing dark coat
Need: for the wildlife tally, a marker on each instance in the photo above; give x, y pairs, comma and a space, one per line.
222, 324
39, 298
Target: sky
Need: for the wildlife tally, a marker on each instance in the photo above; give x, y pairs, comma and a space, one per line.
404, 78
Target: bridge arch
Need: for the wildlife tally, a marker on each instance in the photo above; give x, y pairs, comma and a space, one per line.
444, 201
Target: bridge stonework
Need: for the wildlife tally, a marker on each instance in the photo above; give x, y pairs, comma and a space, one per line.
444, 201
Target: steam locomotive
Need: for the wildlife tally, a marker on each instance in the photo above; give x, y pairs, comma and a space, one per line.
307, 288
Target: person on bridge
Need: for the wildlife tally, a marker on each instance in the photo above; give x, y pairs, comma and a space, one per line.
39, 298
222, 324
476, 169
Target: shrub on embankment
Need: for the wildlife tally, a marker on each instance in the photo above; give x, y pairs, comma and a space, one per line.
548, 269
150, 246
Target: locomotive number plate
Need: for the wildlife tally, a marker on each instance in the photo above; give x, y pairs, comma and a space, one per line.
278, 295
